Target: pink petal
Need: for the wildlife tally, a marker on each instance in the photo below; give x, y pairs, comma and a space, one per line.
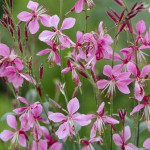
11, 121
45, 20
93, 130
86, 147
46, 35
19, 64
123, 75
107, 71
101, 108
137, 108
17, 81
76, 78
42, 145
66, 70
43, 52
57, 59
68, 23
57, 117
33, 26
4, 50
28, 78
81, 119
79, 6
73, 106
138, 91
130, 146
102, 83
37, 109
6, 135
131, 67
110, 120
24, 16
100, 28
79, 37
54, 20
145, 70
63, 131
95, 139
117, 139
23, 100
34, 146
141, 27
22, 140
56, 146
122, 87
146, 143
127, 133
32, 5
20, 110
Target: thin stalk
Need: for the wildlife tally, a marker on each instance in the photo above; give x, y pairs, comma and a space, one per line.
136, 61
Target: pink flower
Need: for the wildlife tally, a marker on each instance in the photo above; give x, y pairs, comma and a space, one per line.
102, 119
56, 35
146, 106
80, 4
139, 79
32, 18
39, 145
67, 126
17, 136
53, 55
121, 139
29, 112
52, 144
16, 77
88, 145
8, 58
146, 143
75, 76
121, 80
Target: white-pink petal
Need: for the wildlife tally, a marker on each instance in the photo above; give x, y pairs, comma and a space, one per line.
4, 50
57, 117
102, 83
11, 121
146, 143
44, 18
107, 71
54, 20
137, 108
117, 139
141, 27
43, 52
56, 146
24, 16
33, 26
68, 23
32, 5
6, 135
79, 6
73, 106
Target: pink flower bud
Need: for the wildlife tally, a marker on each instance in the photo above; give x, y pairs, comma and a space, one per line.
56, 104
41, 71
20, 47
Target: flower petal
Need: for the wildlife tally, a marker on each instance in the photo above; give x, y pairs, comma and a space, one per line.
43, 52
141, 27
68, 23
73, 106
32, 5
56, 146
42, 145
63, 131
145, 70
146, 143
11, 121
107, 71
101, 108
22, 140
122, 87
93, 130
54, 20
44, 18
79, 6
57, 117
102, 83
4, 50
117, 139
23, 100
127, 133
131, 67
6, 135
137, 108
24, 16
46, 35
33, 26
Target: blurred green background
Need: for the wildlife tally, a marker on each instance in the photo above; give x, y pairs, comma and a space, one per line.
51, 75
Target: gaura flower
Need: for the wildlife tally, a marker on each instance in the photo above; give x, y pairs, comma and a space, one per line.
121, 139
102, 119
19, 136
32, 18
67, 127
